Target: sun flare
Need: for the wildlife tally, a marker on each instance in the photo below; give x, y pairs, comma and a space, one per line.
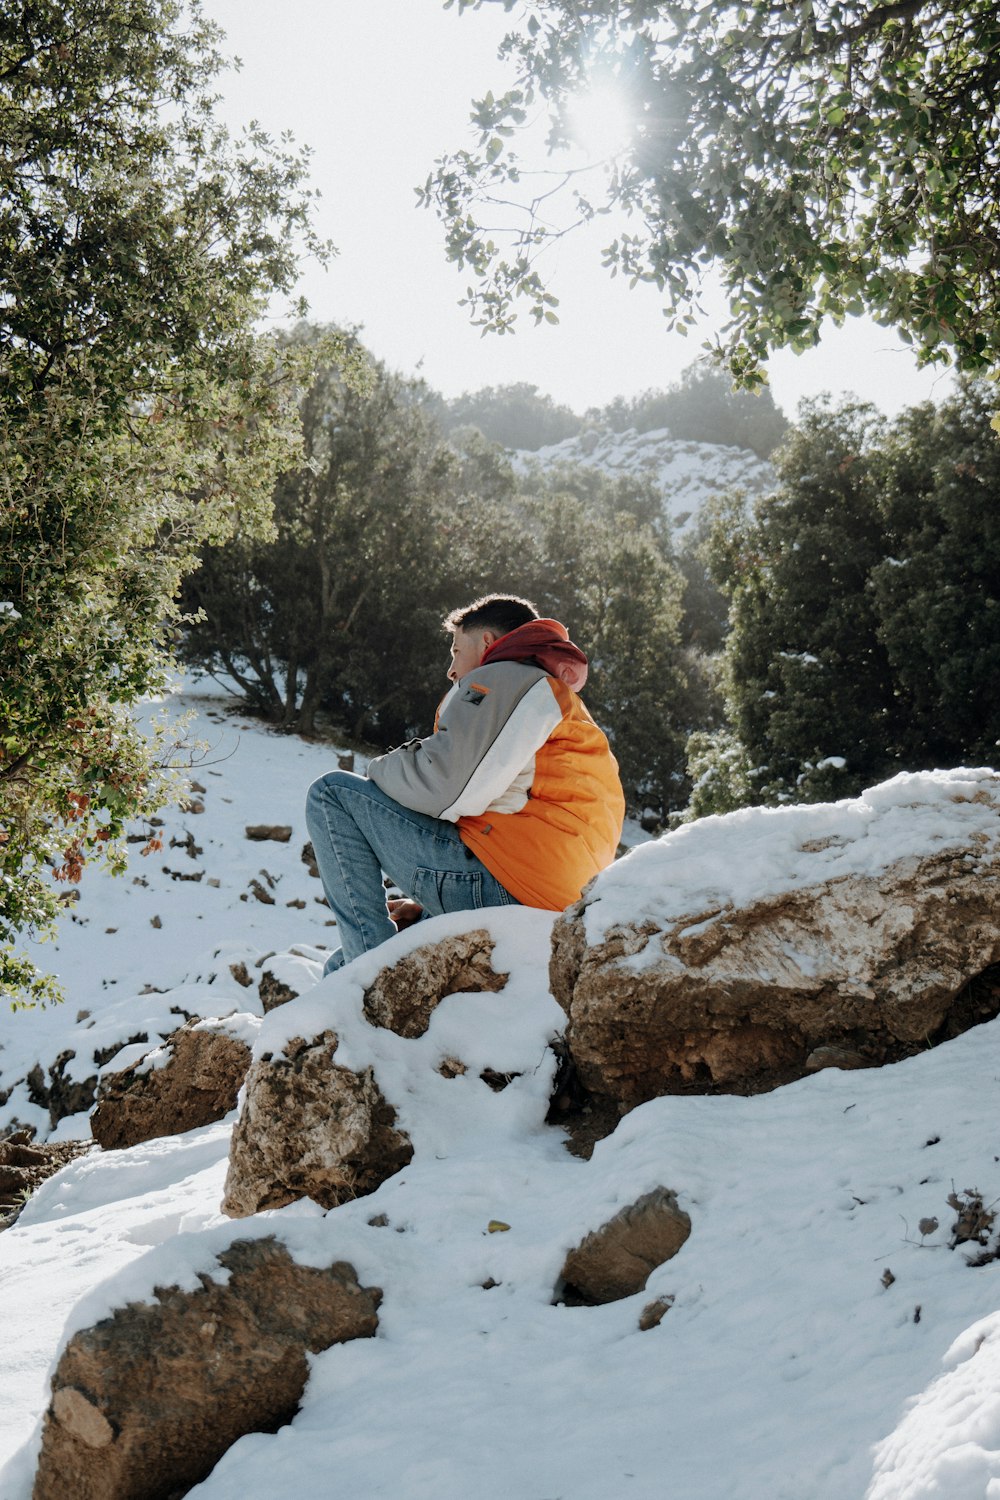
601, 120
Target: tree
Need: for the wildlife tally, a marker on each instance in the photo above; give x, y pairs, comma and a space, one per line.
140, 414
865, 612
515, 416
341, 609
810, 687
828, 156
703, 407
936, 591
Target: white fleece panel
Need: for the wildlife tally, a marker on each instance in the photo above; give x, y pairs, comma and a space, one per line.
516, 795
525, 732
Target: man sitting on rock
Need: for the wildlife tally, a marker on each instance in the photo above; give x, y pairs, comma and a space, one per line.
513, 800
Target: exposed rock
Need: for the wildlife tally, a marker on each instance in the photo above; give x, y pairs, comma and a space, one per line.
497, 1081
404, 997
853, 971
241, 974
452, 1067
259, 892
60, 1095
198, 1083
24, 1166
146, 1402
310, 1128
654, 1313
308, 858
616, 1260
279, 833
273, 993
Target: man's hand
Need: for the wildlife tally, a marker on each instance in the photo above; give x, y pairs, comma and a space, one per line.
404, 912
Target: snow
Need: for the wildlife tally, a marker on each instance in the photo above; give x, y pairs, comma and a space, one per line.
687, 472
789, 1366
719, 862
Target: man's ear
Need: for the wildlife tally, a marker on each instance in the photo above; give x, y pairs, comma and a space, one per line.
490, 638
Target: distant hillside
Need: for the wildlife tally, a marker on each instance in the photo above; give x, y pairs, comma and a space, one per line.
687, 472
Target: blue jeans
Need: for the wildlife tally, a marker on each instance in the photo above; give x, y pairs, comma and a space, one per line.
357, 832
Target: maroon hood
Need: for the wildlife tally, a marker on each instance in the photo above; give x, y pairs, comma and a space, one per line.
547, 643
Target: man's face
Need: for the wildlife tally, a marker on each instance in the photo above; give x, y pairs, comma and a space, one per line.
467, 648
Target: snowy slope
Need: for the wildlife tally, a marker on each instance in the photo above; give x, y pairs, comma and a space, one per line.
789, 1367
687, 472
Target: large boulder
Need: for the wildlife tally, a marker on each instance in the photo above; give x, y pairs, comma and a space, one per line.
405, 995
310, 1128
189, 1081
743, 952
146, 1402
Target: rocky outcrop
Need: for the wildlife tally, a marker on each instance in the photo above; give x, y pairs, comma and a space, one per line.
616, 1260
193, 1079
860, 969
404, 997
310, 1128
24, 1166
146, 1402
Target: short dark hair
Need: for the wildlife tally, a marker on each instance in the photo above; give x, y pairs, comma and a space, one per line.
498, 612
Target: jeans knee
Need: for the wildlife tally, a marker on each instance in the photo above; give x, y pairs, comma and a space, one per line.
325, 787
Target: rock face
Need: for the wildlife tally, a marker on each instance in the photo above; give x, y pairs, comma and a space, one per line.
199, 1082
310, 1128
403, 998
857, 970
146, 1402
615, 1261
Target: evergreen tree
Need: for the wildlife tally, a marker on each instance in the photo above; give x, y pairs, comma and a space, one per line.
937, 592
342, 610
515, 416
811, 692
703, 407
140, 415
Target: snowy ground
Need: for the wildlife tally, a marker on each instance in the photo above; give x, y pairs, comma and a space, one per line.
790, 1365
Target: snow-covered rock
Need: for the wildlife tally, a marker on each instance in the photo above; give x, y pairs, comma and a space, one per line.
188, 1081
742, 952
146, 1401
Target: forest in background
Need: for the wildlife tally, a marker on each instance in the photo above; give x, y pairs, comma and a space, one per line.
796, 647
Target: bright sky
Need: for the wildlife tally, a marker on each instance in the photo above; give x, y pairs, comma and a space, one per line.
380, 89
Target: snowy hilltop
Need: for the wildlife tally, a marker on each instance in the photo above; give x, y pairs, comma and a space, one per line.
687, 472
826, 1326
